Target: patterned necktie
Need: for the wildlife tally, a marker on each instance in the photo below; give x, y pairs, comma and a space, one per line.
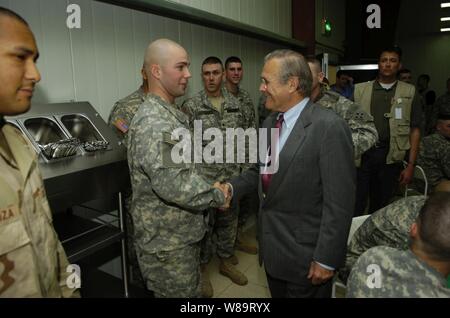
267, 178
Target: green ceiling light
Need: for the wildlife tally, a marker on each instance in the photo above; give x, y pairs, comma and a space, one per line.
326, 27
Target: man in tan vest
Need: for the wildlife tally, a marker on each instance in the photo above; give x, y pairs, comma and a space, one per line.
397, 113
32, 260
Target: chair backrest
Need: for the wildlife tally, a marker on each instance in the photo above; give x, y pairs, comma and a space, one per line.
419, 174
356, 223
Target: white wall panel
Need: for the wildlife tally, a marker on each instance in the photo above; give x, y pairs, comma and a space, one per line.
263, 14
125, 58
101, 62
84, 62
105, 56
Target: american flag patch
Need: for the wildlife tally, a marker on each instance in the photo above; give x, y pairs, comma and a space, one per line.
121, 125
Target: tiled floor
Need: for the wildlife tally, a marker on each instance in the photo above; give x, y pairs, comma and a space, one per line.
248, 264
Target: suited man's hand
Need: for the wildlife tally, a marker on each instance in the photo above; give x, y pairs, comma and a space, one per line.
319, 275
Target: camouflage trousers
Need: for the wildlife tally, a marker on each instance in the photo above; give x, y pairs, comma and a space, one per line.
173, 274
221, 234
248, 206
133, 265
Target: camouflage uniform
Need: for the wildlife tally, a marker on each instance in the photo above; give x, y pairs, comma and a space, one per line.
388, 226
168, 202
123, 112
224, 224
263, 112
32, 260
434, 158
364, 133
403, 275
119, 120
442, 105
250, 203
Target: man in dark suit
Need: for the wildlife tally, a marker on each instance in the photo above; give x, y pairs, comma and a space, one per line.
307, 205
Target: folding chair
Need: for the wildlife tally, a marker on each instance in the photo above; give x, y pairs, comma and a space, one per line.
356, 223
419, 174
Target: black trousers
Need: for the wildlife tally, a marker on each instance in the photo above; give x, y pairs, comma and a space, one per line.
284, 289
376, 180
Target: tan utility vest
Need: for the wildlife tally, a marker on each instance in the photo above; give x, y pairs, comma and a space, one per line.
399, 116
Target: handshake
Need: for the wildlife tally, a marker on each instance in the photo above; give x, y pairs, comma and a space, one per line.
226, 190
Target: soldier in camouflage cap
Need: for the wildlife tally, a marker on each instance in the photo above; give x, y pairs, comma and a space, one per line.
434, 155
419, 272
249, 204
388, 226
119, 120
168, 197
364, 133
215, 107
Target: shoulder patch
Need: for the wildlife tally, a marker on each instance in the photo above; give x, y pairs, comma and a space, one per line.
121, 125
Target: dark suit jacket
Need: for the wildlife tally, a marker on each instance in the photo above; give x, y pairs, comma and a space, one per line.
307, 212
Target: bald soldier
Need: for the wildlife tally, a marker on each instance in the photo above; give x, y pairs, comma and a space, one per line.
32, 260
364, 133
168, 198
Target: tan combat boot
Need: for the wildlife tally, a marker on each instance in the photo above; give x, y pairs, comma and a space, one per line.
207, 289
244, 245
227, 269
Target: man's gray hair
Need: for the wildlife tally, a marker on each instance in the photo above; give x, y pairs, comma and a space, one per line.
293, 64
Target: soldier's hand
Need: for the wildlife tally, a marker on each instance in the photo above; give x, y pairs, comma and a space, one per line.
226, 193
406, 175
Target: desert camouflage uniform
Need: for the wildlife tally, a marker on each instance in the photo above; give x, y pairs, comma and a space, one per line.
119, 120
434, 158
402, 275
32, 260
388, 226
168, 202
224, 224
364, 133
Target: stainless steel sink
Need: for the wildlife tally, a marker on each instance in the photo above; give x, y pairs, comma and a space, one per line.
49, 138
80, 127
43, 130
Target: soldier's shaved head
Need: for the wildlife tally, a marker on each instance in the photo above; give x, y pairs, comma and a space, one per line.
159, 51
166, 68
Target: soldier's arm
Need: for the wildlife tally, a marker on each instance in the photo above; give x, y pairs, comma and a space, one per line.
175, 183
251, 114
362, 126
250, 123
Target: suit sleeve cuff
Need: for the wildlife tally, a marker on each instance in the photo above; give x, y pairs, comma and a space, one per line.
326, 266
